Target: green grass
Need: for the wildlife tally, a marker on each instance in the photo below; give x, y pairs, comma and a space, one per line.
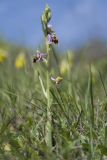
78, 110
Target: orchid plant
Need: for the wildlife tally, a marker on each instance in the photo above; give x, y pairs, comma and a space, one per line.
50, 38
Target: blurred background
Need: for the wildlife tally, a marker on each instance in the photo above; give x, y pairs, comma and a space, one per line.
78, 23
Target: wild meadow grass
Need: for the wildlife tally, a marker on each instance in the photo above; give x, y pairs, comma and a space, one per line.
78, 109
45, 119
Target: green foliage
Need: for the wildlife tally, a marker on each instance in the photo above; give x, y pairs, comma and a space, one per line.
78, 111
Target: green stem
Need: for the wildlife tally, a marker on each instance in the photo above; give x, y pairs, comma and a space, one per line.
48, 129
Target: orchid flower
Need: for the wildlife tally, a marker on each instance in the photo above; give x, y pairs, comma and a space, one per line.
57, 80
40, 57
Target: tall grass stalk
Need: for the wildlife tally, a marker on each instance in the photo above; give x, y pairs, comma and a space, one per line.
91, 124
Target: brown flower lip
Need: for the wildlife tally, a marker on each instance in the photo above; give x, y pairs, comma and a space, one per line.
35, 59
52, 39
55, 40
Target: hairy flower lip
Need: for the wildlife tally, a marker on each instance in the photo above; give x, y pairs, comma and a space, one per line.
55, 40
52, 39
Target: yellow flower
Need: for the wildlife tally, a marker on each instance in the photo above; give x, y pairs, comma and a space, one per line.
64, 67
3, 55
20, 61
67, 63
70, 56
7, 147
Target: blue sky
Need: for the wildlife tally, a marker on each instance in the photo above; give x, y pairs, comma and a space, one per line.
76, 21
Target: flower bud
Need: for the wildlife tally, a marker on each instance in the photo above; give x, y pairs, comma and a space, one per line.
46, 16
48, 13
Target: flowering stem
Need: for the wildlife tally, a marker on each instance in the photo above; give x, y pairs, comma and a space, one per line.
48, 129
46, 17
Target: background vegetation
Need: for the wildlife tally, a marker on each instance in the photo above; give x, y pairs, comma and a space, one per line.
79, 106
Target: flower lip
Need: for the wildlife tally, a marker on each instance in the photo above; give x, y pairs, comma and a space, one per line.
52, 39
35, 59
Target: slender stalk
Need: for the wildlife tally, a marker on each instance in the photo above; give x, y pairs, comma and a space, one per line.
91, 116
46, 17
48, 129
